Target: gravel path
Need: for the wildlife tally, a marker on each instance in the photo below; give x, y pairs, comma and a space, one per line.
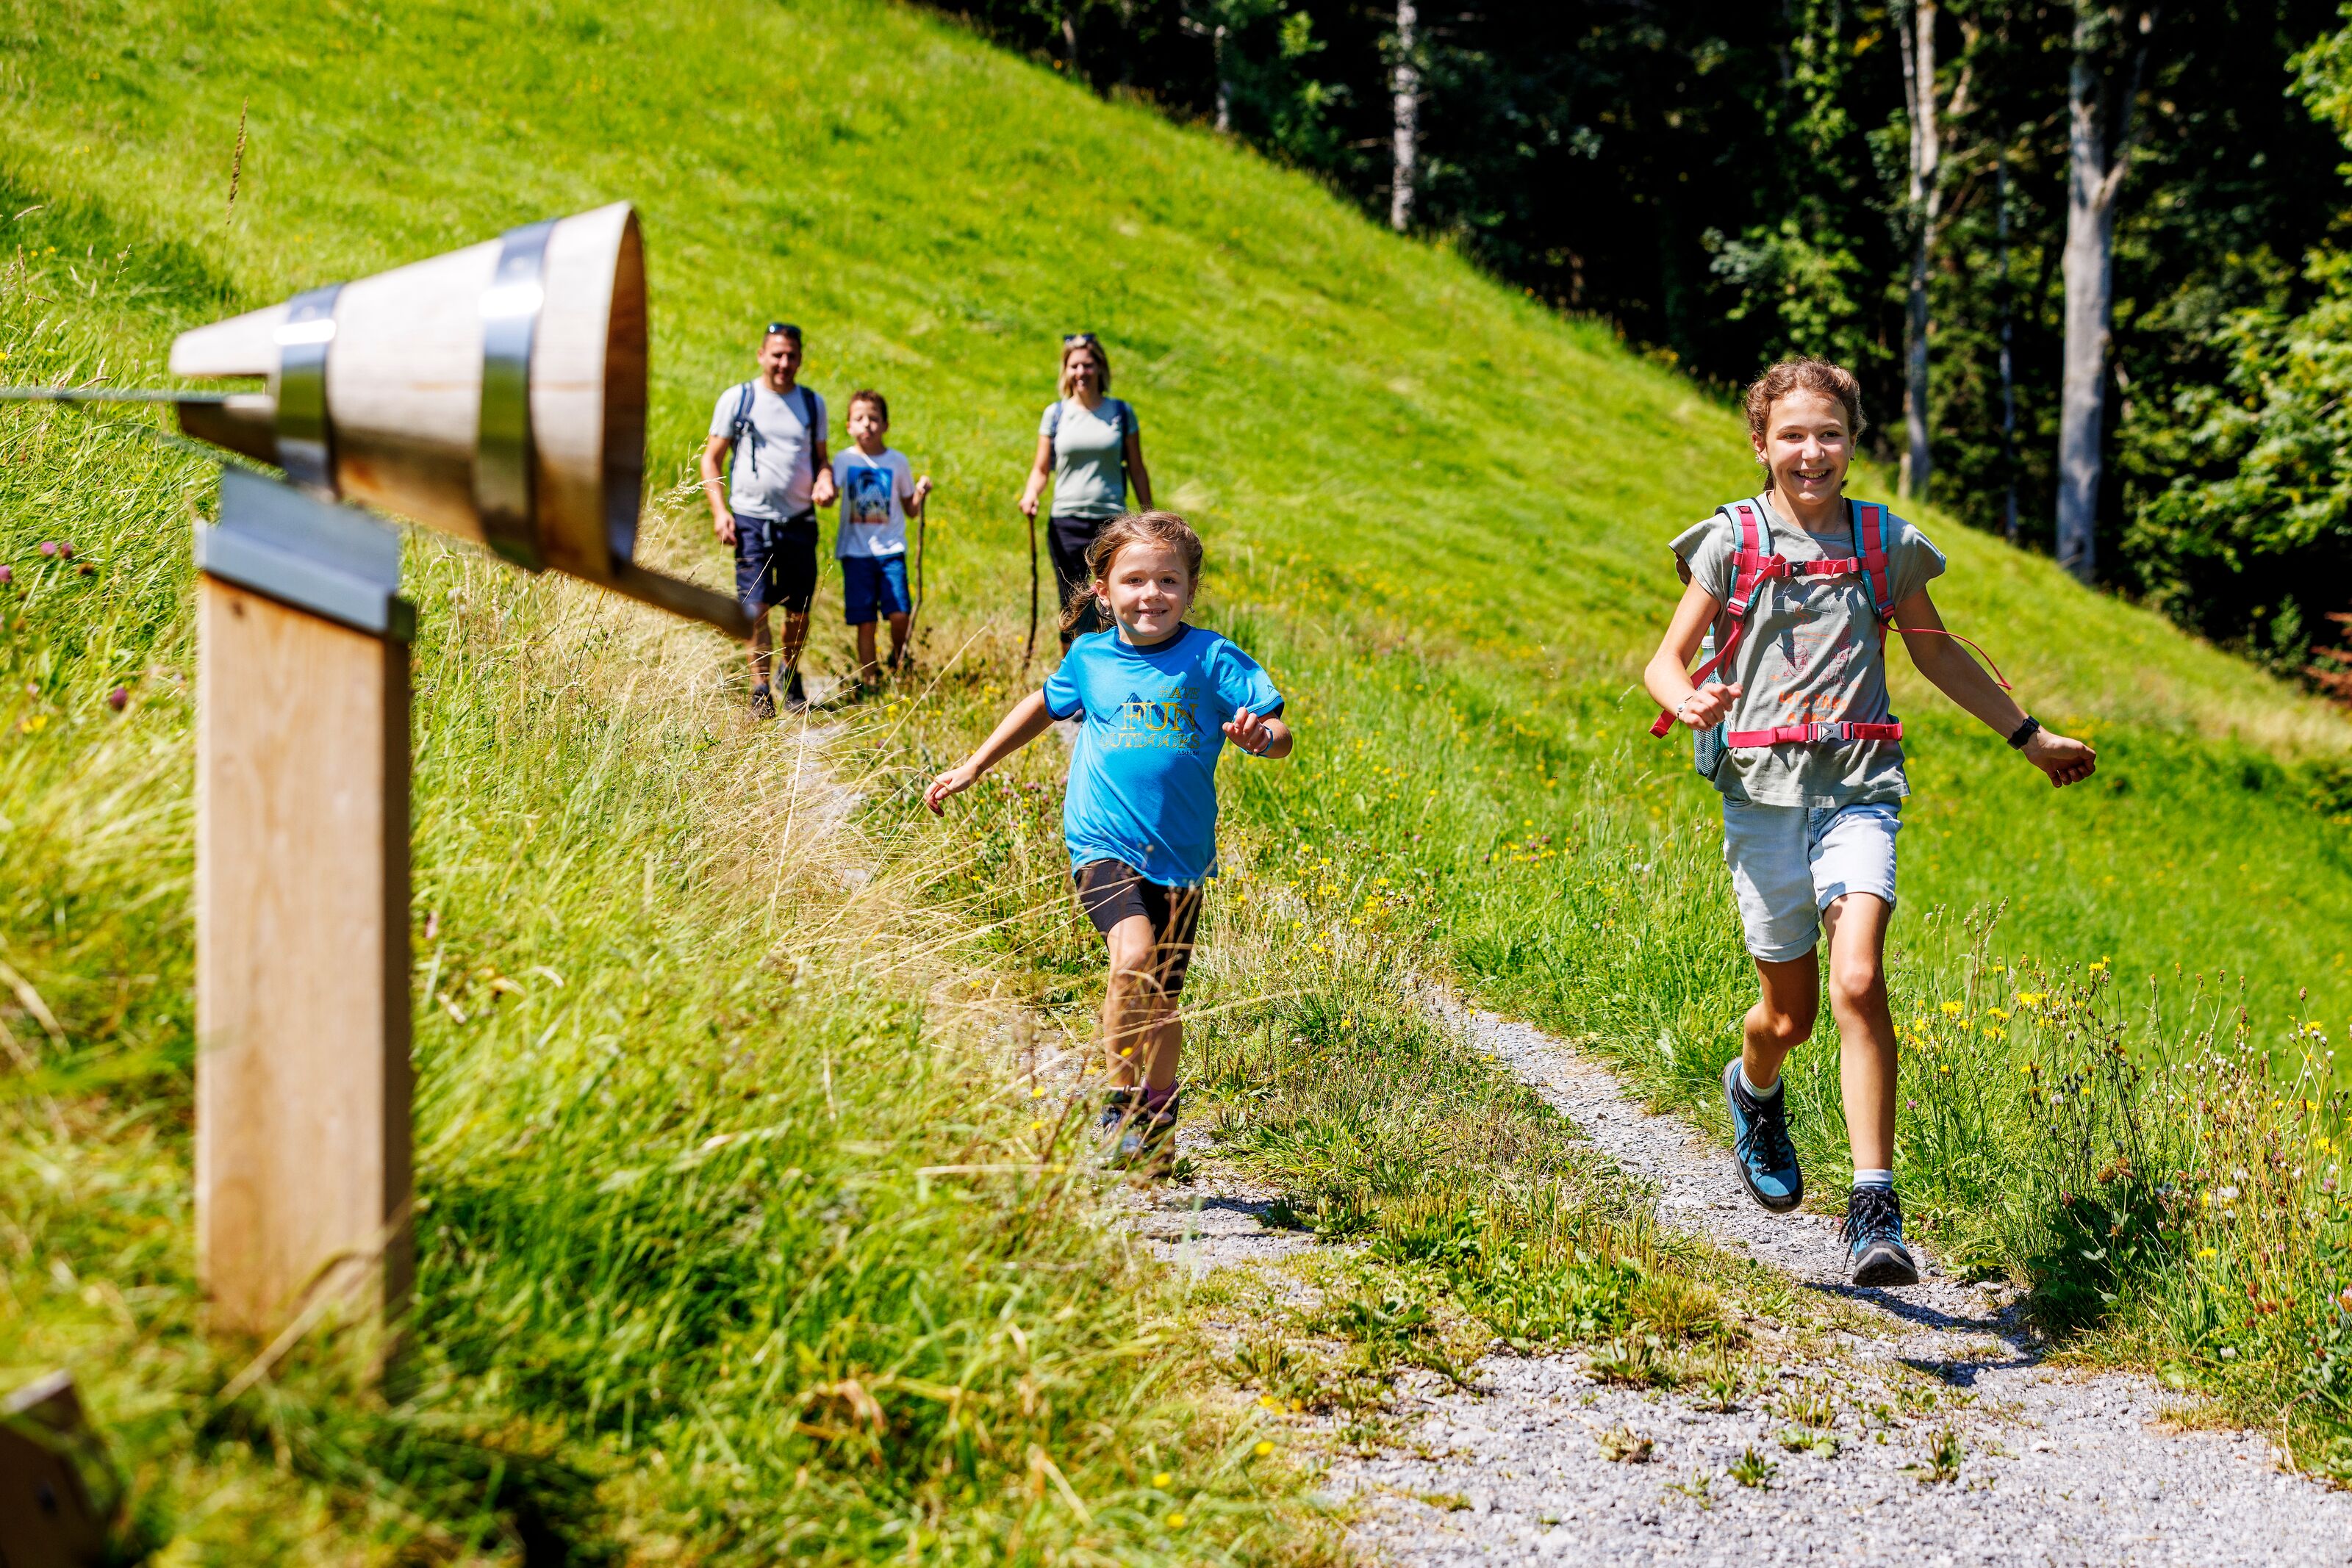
2041, 1467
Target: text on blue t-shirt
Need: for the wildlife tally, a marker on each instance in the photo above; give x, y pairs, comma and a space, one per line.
1143, 776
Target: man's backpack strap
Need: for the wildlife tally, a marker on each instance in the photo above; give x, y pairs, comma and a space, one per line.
808, 412
743, 430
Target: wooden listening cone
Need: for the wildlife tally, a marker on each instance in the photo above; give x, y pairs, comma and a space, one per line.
401, 411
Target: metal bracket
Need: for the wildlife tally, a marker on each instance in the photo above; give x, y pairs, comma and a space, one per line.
331, 560
306, 431
503, 454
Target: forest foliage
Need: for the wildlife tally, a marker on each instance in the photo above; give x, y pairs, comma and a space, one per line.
1730, 182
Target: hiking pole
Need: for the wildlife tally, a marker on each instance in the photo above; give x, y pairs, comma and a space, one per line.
915, 615
1030, 652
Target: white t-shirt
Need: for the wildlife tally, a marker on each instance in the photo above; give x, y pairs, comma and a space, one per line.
874, 492
774, 466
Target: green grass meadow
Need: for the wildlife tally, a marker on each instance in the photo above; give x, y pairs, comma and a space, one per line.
683, 1293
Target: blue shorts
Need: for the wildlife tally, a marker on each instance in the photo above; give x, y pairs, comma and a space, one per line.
775, 562
869, 580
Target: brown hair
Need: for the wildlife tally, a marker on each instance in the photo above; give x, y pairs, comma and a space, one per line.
1804, 375
868, 394
1134, 528
1102, 362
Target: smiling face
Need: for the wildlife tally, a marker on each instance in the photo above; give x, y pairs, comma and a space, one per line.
780, 361
1083, 371
1807, 444
1149, 589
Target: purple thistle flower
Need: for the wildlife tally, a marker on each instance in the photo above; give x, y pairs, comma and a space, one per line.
49, 547
116, 698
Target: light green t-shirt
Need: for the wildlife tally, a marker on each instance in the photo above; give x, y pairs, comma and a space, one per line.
1809, 653
1089, 455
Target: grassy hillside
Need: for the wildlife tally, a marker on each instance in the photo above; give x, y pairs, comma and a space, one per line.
1440, 511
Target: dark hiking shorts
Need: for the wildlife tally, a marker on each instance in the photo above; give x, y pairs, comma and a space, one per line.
1113, 891
775, 562
1069, 539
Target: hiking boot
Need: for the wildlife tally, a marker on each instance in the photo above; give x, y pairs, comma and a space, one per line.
796, 695
763, 703
1760, 1147
1873, 1234
1157, 1156
1121, 1125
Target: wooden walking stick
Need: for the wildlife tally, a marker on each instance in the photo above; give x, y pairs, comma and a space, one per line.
1030, 652
914, 615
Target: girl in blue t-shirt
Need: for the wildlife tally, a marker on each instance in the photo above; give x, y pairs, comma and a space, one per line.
1156, 701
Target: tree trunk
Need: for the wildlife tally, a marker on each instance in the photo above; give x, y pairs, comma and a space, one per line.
1405, 86
2008, 321
2093, 179
1926, 207
1070, 40
1224, 87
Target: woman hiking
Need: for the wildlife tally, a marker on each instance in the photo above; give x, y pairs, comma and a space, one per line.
1794, 728
1090, 448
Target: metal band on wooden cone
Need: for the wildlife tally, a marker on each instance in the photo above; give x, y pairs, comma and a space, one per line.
306, 432
503, 454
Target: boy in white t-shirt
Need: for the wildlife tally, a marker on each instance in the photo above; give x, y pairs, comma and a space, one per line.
875, 486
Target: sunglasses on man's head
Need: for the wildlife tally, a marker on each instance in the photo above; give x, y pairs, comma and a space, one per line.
785, 329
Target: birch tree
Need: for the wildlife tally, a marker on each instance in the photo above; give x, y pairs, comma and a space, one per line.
1924, 208
2099, 132
1404, 89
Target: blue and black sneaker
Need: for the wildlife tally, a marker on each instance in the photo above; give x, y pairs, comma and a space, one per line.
1761, 1146
1873, 1234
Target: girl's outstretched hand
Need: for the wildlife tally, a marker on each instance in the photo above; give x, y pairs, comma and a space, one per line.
1250, 732
954, 781
1708, 705
2065, 759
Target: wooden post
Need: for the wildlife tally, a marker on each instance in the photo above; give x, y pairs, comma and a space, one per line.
302, 1070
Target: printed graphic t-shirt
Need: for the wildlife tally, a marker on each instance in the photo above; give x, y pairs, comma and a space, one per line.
1143, 776
773, 476
1810, 654
1089, 455
874, 495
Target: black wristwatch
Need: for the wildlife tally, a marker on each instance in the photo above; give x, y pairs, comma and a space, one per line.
2025, 732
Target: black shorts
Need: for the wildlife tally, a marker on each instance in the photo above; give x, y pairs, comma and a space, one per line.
775, 562
1113, 891
1068, 540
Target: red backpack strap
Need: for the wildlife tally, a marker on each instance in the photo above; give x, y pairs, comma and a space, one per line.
1751, 564
1870, 545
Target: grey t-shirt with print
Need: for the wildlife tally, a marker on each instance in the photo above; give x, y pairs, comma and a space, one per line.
1089, 455
1808, 653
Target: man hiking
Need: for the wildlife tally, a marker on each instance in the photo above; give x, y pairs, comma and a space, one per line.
772, 431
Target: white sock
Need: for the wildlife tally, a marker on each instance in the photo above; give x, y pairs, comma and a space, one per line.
1747, 1085
1873, 1179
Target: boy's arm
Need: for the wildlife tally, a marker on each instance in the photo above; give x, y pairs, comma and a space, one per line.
1949, 669
1027, 721
1667, 676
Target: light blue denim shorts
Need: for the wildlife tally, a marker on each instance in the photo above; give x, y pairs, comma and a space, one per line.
1789, 862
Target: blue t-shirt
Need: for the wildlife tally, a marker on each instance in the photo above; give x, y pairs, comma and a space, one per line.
1143, 777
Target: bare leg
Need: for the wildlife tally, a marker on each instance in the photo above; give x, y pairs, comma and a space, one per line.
1131, 1003
796, 623
897, 641
868, 671
1857, 935
762, 650
1782, 1018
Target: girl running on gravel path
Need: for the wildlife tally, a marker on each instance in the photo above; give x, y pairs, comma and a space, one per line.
1794, 729
1157, 700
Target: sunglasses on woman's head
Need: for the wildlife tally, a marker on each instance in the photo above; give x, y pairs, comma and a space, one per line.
1072, 339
